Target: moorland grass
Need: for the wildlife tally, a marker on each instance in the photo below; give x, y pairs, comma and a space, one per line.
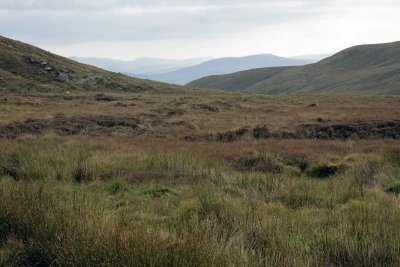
174, 209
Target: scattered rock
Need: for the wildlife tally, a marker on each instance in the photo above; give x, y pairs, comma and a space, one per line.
63, 76
89, 78
48, 68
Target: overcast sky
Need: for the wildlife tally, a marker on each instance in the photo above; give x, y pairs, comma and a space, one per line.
124, 29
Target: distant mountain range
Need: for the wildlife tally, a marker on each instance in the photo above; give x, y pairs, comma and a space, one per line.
166, 70
143, 67
366, 69
224, 66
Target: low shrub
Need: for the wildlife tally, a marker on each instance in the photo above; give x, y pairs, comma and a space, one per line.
261, 132
231, 136
117, 186
393, 156
324, 170
264, 162
393, 187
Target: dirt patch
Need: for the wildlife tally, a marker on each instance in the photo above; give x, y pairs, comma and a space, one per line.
184, 124
120, 104
160, 116
226, 105
103, 97
177, 102
358, 130
57, 97
231, 136
205, 107
92, 125
168, 112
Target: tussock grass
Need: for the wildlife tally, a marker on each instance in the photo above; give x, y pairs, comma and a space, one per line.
324, 170
72, 203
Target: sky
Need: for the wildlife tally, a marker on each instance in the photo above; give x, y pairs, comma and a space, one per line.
123, 29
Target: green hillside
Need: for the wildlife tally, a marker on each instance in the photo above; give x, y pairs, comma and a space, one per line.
27, 68
366, 69
237, 81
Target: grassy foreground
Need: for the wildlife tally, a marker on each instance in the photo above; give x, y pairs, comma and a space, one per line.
79, 201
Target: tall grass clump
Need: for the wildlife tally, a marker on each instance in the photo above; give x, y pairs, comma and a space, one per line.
74, 203
54, 226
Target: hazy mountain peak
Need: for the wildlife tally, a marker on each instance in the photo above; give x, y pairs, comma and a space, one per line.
225, 65
141, 66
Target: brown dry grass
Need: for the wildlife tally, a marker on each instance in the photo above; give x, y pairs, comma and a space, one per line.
234, 110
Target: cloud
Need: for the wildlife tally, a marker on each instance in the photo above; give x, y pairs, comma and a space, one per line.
209, 27
205, 20
107, 4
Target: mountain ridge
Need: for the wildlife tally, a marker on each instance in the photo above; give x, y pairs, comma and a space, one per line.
144, 66
226, 65
147, 68
24, 67
364, 69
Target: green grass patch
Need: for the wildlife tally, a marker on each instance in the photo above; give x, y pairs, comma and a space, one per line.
158, 191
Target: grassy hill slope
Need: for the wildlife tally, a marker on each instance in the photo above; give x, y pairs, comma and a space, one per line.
366, 69
27, 68
238, 81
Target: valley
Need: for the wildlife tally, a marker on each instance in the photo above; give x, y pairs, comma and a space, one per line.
101, 169
360, 70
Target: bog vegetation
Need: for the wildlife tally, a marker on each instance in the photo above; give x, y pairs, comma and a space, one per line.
78, 202
195, 180
99, 169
